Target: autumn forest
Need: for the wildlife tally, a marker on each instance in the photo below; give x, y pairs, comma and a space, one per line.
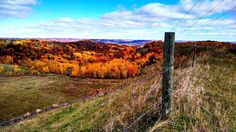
84, 59
89, 59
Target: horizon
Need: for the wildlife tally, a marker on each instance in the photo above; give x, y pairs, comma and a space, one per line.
107, 40
124, 19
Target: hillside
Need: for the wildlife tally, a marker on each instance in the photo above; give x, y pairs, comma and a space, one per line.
212, 78
77, 59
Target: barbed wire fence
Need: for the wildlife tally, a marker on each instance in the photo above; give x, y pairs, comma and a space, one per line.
156, 106
193, 61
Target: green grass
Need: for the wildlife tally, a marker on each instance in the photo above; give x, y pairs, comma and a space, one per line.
27, 93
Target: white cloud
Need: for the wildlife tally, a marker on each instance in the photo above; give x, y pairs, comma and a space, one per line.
152, 12
15, 8
161, 12
149, 21
158, 11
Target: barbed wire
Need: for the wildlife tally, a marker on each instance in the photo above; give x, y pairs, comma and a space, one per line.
185, 15
200, 18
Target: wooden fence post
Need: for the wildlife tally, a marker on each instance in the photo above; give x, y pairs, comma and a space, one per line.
168, 71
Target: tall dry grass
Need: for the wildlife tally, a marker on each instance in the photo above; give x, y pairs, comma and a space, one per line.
204, 98
138, 108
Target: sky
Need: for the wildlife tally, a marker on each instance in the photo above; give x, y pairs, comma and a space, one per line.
119, 19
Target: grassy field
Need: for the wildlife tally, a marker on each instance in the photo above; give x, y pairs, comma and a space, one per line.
27, 93
203, 100
212, 104
94, 113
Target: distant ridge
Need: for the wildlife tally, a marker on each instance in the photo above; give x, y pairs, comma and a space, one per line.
115, 41
122, 41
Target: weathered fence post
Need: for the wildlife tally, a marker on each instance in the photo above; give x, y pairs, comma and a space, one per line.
168, 71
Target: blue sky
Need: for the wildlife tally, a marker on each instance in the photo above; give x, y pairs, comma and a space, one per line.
118, 19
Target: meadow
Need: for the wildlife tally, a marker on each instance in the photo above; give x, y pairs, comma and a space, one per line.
23, 94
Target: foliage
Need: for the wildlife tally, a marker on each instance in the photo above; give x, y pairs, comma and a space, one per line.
86, 59
89, 59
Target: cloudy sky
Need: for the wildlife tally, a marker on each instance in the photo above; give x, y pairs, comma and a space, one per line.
119, 19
